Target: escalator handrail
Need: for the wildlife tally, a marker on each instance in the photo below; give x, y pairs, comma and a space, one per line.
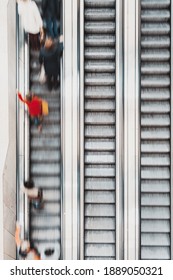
22, 130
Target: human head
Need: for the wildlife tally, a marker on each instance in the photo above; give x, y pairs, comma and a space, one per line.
48, 43
29, 184
29, 96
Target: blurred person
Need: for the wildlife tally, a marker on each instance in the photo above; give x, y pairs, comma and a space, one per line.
32, 22
25, 249
51, 15
50, 57
34, 194
34, 104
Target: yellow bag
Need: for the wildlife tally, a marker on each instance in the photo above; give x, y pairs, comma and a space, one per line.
45, 108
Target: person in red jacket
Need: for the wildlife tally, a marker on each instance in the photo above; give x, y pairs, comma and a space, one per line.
34, 104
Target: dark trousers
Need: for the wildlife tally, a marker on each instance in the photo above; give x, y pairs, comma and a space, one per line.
52, 80
52, 27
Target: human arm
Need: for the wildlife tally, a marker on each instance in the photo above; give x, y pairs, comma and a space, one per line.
41, 34
20, 97
17, 234
61, 38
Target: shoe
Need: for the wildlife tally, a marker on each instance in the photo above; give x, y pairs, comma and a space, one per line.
49, 252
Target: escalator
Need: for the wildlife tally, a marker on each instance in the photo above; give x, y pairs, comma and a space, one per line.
100, 199
45, 166
155, 129
99, 129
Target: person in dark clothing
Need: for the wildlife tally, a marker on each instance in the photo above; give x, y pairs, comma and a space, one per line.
51, 15
50, 57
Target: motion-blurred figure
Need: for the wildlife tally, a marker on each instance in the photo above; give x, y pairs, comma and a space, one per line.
34, 107
50, 57
26, 250
51, 15
32, 22
35, 195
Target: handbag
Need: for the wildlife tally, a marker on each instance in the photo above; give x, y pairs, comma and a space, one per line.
45, 108
42, 77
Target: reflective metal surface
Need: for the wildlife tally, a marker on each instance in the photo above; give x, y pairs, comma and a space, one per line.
22, 84
81, 130
119, 132
70, 132
131, 129
20, 129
